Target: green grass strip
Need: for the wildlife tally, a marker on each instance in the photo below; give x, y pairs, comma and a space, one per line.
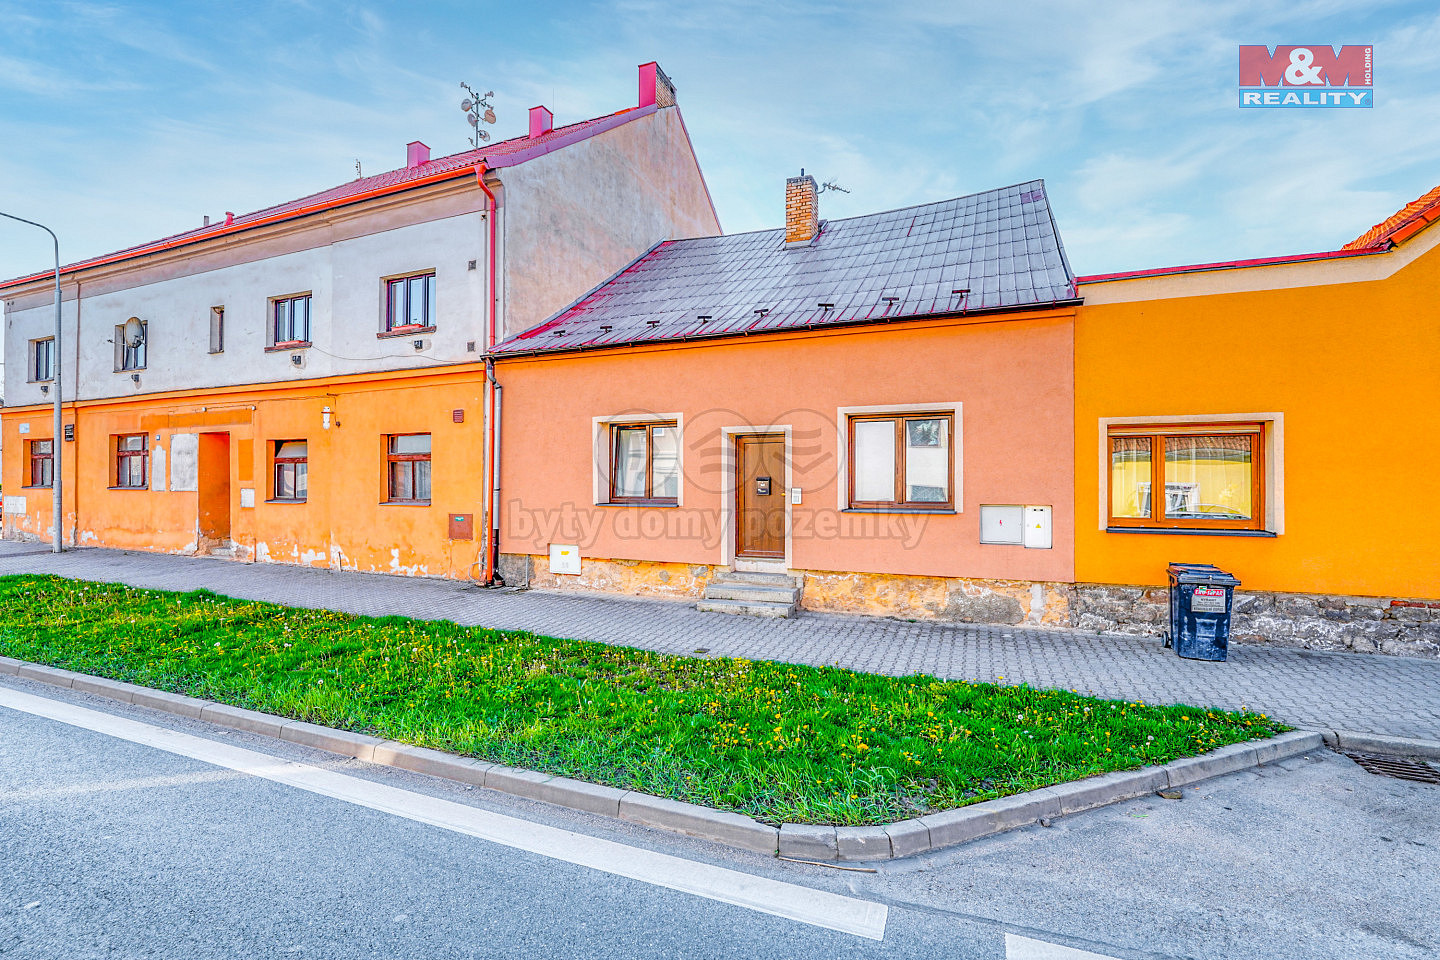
775, 741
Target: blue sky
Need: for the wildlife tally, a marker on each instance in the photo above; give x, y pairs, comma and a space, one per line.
122, 123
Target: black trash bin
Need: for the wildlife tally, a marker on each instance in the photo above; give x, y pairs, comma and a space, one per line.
1200, 600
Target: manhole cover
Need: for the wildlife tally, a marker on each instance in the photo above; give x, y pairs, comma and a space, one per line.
1416, 770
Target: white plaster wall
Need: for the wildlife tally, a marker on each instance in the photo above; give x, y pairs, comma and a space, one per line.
344, 279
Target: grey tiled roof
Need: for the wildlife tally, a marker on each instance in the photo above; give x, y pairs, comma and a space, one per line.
1001, 246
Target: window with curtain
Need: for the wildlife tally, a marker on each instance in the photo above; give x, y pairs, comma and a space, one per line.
902, 461
292, 470
132, 460
42, 463
408, 467
1187, 477
645, 462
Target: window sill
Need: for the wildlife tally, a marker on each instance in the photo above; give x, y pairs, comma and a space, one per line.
288, 345
1193, 532
396, 332
638, 503
38, 486
128, 488
131, 370
935, 510
285, 500
404, 503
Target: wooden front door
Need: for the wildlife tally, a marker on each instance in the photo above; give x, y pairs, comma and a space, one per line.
214, 485
760, 496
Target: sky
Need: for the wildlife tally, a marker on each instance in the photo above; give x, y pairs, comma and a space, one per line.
126, 122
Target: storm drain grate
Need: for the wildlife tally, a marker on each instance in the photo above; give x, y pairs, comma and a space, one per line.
1416, 770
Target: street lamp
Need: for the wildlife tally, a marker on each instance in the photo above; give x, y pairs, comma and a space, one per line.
57, 444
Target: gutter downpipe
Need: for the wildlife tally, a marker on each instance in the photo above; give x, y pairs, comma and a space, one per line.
492, 391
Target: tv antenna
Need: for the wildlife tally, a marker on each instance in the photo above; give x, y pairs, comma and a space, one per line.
831, 185
477, 111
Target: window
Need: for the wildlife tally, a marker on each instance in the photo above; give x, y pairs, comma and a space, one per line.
126, 356
902, 461
42, 359
1187, 477
410, 302
217, 329
290, 320
42, 463
132, 456
645, 462
292, 470
408, 465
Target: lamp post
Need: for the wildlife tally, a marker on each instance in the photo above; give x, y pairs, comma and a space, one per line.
58, 443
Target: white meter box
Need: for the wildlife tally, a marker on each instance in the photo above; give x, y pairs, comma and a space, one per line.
1017, 525
565, 558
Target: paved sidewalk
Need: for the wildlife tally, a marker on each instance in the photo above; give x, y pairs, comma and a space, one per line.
1365, 694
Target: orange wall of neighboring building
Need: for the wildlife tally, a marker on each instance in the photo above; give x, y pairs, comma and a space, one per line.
344, 521
1013, 377
1351, 358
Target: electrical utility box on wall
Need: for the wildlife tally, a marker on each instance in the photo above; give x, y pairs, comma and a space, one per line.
565, 558
1038, 534
1017, 525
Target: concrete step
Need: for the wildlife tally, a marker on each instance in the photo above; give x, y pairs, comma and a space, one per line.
766, 579
779, 611
753, 592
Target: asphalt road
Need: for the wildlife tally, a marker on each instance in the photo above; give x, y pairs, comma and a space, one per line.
115, 848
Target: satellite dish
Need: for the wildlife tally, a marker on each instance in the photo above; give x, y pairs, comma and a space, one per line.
466, 104
489, 116
472, 118
133, 333
482, 134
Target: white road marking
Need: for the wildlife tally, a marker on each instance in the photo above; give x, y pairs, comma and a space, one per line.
862, 918
1023, 948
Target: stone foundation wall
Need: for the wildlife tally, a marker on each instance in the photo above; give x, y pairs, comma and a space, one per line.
1310, 621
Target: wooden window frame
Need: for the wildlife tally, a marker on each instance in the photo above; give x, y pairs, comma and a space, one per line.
275, 305
649, 426
1157, 434
121, 456
35, 360
900, 418
37, 459
412, 458
279, 463
428, 326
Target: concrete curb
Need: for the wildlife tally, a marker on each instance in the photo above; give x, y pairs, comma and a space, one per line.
800, 841
1379, 744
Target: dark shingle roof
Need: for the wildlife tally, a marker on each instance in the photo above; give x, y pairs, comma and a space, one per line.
1001, 246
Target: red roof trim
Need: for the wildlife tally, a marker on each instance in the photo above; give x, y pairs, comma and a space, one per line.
454, 167
1227, 265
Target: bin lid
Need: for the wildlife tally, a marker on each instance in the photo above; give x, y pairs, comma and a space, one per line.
1201, 573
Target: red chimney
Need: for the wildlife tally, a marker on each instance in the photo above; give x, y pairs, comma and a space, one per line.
655, 87
416, 153
542, 121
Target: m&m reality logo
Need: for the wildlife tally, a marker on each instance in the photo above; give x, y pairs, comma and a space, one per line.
1313, 76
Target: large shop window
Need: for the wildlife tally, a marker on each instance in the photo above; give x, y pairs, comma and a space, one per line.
42, 463
132, 461
408, 466
1208, 477
292, 470
645, 463
902, 461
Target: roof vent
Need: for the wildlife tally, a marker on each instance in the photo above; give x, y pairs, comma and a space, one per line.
605, 328
416, 153
652, 323
826, 306
802, 210
542, 121
762, 312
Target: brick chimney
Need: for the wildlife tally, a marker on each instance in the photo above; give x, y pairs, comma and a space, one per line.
655, 87
416, 153
542, 121
802, 210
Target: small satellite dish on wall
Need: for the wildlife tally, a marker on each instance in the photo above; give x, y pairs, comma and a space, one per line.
133, 333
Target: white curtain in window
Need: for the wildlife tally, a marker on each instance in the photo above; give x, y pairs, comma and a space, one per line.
927, 461
665, 463
874, 460
630, 462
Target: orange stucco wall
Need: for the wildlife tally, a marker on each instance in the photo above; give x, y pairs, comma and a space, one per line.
1013, 377
1354, 368
343, 523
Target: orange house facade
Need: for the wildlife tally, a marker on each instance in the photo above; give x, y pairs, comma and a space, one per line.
873, 415
1286, 406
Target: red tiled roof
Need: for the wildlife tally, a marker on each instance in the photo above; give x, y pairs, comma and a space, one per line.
1399, 227
507, 153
